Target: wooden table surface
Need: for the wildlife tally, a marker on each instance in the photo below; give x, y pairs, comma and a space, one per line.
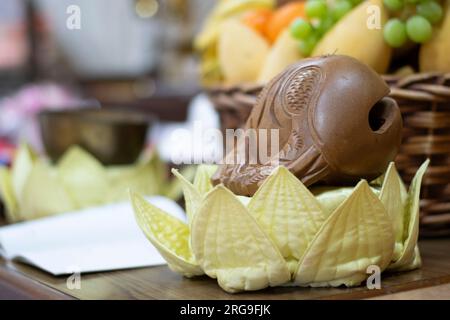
22, 281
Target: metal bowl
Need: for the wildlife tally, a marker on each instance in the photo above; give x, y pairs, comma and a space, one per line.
113, 136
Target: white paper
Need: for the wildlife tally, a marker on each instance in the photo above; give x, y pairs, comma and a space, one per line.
95, 239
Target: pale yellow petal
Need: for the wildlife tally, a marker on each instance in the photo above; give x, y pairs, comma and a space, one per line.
413, 262
153, 159
44, 194
230, 246
7, 195
168, 234
140, 178
21, 168
358, 234
394, 196
174, 187
332, 197
192, 197
84, 177
202, 179
411, 220
288, 212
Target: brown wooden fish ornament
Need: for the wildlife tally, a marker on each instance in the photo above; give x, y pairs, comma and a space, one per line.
336, 126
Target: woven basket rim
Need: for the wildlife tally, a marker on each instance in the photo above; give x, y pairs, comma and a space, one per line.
414, 87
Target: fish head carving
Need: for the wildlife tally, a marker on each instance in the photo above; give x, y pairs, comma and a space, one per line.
335, 125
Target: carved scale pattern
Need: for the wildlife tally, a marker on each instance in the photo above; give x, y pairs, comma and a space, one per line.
294, 94
299, 92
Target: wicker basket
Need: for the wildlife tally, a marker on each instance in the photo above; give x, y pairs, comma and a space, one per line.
424, 100
234, 104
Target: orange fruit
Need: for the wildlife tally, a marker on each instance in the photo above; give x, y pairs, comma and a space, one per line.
283, 17
257, 19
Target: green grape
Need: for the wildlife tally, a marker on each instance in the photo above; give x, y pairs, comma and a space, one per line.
341, 8
300, 28
325, 24
395, 33
394, 5
430, 10
307, 45
316, 8
419, 29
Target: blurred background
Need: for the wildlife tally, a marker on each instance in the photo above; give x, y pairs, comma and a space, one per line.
130, 54
120, 78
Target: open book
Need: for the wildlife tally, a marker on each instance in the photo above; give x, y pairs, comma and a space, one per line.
94, 239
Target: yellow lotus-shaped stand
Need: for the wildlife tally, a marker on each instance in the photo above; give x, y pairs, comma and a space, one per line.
35, 188
286, 235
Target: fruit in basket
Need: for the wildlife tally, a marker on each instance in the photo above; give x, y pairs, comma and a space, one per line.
283, 53
300, 28
242, 51
322, 27
316, 9
435, 54
419, 29
257, 19
305, 32
341, 8
206, 41
210, 68
394, 5
321, 16
283, 17
430, 10
418, 18
395, 33
351, 36
223, 11
307, 45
